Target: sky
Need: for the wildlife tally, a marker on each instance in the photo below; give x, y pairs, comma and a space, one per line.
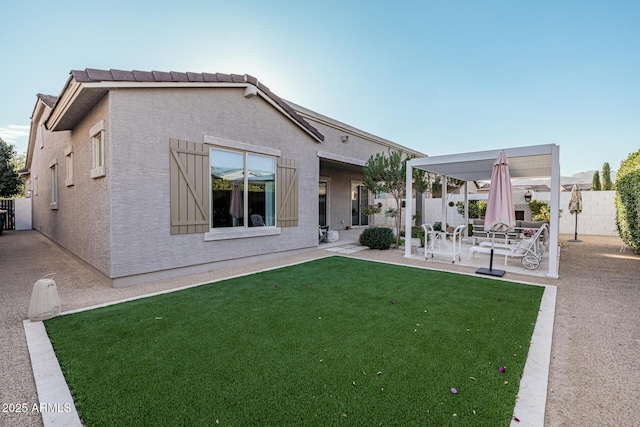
440, 77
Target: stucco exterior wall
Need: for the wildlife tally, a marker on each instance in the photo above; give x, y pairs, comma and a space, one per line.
81, 221
120, 223
339, 207
356, 149
142, 122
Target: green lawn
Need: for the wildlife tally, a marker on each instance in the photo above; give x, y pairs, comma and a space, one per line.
335, 341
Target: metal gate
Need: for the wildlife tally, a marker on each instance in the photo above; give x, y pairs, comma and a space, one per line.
9, 218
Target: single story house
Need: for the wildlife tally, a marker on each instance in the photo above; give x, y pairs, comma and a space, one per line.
149, 175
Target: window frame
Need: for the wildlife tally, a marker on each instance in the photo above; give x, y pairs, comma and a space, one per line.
53, 184
98, 143
68, 155
245, 182
239, 232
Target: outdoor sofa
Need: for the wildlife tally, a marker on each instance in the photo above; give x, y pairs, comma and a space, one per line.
479, 232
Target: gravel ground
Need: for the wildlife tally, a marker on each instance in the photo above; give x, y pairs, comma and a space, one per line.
595, 360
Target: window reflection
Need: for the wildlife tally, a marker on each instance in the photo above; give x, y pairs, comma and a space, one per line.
242, 195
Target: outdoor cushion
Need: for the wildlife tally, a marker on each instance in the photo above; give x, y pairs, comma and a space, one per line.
524, 246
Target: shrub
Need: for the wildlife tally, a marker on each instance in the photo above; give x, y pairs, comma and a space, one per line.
628, 201
541, 211
377, 238
437, 226
477, 208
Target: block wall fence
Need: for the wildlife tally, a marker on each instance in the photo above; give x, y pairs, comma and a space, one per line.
598, 211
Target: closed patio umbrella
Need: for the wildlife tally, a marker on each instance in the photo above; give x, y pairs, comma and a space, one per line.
500, 216
237, 209
575, 207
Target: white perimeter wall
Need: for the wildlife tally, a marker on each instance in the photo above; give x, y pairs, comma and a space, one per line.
23, 213
598, 211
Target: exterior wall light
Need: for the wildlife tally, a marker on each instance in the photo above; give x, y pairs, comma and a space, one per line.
527, 196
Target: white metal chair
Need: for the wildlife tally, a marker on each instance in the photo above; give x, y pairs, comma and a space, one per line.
436, 242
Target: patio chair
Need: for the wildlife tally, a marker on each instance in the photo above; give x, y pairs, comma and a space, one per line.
447, 243
257, 221
530, 251
323, 234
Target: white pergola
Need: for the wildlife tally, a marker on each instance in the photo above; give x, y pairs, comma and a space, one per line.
537, 161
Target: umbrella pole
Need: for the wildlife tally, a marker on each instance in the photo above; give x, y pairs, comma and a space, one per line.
491, 258
575, 238
490, 271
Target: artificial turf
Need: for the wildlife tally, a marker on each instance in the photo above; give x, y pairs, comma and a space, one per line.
335, 341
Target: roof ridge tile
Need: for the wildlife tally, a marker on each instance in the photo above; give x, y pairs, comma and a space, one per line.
143, 76
97, 75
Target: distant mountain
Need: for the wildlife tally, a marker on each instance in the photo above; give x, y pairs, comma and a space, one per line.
579, 178
583, 179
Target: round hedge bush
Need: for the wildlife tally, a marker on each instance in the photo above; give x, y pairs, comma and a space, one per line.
377, 238
628, 200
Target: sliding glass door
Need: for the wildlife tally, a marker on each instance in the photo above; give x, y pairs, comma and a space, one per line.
359, 200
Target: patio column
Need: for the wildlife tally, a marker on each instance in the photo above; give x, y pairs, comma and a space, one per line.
466, 208
444, 203
554, 207
408, 210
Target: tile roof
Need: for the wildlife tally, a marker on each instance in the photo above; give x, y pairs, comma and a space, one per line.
49, 100
92, 75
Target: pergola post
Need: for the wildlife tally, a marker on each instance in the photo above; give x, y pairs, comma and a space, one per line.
554, 208
443, 221
408, 210
466, 208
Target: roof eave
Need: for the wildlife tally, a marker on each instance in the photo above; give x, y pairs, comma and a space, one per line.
80, 94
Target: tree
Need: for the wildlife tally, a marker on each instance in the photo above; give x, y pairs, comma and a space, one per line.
387, 174
421, 182
628, 201
606, 177
10, 182
19, 163
477, 208
595, 182
436, 185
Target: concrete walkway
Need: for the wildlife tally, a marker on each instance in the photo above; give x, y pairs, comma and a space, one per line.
596, 342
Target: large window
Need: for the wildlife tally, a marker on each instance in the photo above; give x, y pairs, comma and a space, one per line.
242, 189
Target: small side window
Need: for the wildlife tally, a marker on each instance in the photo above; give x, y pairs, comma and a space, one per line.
98, 143
53, 171
68, 154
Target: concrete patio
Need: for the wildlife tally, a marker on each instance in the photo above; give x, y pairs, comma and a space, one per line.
349, 243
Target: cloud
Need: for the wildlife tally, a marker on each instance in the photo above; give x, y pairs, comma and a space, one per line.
12, 133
